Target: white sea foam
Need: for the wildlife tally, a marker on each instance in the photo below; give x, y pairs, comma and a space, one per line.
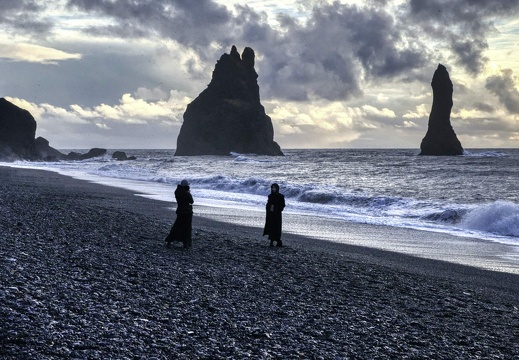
500, 217
489, 153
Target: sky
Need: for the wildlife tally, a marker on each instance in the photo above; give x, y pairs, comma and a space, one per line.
118, 74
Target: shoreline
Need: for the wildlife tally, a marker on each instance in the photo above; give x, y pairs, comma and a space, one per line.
466, 251
209, 220
488, 254
87, 274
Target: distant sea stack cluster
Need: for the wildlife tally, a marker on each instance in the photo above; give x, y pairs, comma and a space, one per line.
227, 117
17, 142
440, 138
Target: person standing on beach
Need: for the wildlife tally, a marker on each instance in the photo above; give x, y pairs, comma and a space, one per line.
181, 229
273, 221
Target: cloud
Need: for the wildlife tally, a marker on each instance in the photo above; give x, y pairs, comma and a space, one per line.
504, 86
190, 23
296, 63
332, 53
35, 53
336, 52
23, 16
103, 126
131, 110
484, 107
409, 124
48, 114
420, 112
329, 54
325, 120
463, 25
372, 111
134, 120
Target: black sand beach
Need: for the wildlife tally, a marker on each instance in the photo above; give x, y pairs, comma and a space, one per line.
85, 275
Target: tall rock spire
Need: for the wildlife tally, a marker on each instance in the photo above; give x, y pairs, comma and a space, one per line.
440, 138
228, 116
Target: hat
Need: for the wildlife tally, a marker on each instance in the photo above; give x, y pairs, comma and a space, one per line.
184, 183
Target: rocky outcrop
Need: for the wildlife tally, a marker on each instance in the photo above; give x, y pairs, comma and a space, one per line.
17, 142
45, 151
228, 116
92, 153
440, 138
17, 131
121, 156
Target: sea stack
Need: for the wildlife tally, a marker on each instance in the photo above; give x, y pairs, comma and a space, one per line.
227, 116
440, 138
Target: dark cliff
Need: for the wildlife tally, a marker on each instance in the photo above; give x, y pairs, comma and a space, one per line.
17, 142
228, 116
17, 131
440, 138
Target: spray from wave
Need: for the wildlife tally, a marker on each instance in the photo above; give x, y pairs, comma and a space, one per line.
500, 218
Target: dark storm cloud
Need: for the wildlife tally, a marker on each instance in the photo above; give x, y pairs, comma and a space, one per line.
326, 57
481, 106
332, 54
461, 25
190, 23
22, 16
339, 47
504, 87
371, 35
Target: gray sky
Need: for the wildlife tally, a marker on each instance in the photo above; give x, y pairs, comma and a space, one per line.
120, 73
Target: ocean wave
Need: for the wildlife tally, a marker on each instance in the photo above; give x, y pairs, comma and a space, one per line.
485, 154
500, 218
250, 158
306, 193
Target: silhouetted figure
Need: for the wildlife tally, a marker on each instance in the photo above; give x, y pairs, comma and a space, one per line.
273, 222
181, 229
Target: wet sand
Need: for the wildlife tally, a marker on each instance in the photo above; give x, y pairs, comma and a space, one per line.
484, 254
85, 274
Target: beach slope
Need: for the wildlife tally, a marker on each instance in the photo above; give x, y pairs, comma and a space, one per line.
85, 274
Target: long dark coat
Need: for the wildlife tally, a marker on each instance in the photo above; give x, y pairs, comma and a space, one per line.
181, 229
273, 221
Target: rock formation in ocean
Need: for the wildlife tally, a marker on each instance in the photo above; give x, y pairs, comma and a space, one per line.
121, 156
440, 138
228, 116
92, 153
45, 151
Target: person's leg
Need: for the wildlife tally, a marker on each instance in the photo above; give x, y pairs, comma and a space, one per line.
188, 230
173, 234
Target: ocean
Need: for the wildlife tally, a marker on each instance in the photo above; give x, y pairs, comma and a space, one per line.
473, 196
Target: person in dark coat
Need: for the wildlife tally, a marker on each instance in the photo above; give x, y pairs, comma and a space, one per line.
273, 221
181, 229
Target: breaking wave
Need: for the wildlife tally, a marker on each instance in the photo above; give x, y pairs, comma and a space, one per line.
500, 218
